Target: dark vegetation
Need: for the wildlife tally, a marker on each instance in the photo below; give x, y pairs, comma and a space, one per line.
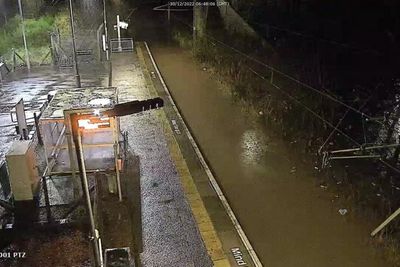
37, 33
40, 21
342, 50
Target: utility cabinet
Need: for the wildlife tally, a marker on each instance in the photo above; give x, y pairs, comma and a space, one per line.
22, 170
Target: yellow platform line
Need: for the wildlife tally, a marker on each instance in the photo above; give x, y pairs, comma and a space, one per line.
209, 235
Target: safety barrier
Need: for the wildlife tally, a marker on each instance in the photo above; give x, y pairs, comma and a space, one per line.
121, 45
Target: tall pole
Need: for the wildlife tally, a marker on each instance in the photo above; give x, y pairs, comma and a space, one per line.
76, 136
105, 28
71, 19
119, 34
169, 12
194, 27
28, 62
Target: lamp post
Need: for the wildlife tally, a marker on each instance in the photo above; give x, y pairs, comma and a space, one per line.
77, 138
118, 110
71, 19
28, 62
105, 28
119, 34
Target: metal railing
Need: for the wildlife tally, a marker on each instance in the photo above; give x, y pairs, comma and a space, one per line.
3, 70
121, 45
13, 60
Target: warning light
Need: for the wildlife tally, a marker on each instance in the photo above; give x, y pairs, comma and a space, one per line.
94, 123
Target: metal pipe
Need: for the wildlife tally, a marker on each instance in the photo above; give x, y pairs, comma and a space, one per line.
119, 34
105, 28
116, 155
82, 169
59, 141
46, 199
110, 170
68, 135
357, 157
363, 148
28, 63
85, 187
84, 145
71, 19
118, 178
386, 222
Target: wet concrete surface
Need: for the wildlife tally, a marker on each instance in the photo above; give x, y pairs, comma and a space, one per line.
289, 220
33, 87
169, 233
73, 248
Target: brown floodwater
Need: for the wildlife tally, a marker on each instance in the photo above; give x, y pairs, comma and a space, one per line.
288, 218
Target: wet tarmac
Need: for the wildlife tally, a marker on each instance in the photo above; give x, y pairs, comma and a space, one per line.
33, 87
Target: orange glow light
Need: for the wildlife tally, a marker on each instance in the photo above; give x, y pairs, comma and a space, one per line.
87, 125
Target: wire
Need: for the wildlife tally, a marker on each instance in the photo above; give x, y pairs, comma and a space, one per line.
333, 131
322, 119
296, 100
306, 107
340, 121
285, 75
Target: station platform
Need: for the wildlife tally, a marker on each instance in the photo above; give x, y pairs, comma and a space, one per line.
183, 220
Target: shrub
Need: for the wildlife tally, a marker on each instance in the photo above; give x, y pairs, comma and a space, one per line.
37, 33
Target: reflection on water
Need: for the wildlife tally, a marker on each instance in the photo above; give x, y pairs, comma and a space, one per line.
254, 146
289, 221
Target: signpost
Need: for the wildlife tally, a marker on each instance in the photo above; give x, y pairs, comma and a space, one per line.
120, 24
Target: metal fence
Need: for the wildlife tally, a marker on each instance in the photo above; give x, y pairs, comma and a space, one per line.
121, 45
3, 70
88, 46
14, 59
